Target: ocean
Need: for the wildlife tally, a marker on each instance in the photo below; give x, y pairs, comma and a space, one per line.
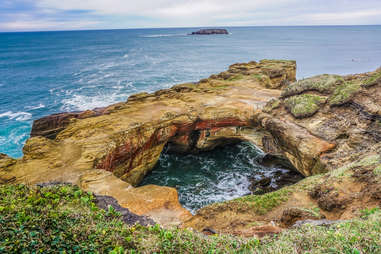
49, 72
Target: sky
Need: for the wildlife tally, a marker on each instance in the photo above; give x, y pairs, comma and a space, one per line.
42, 15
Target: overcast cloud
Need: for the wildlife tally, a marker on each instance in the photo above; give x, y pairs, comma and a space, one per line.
31, 15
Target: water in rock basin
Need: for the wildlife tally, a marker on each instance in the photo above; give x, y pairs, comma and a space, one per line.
210, 177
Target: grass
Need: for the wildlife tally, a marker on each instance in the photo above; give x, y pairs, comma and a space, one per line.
262, 204
259, 204
64, 219
304, 105
57, 219
354, 237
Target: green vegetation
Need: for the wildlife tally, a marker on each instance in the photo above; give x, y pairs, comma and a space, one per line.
258, 204
358, 236
304, 105
347, 170
377, 170
235, 77
376, 77
314, 211
271, 105
259, 76
325, 84
56, 219
65, 219
262, 204
263, 78
344, 93
365, 213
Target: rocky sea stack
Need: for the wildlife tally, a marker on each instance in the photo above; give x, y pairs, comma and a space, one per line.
210, 31
328, 127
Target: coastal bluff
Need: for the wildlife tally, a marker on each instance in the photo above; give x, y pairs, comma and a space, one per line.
318, 124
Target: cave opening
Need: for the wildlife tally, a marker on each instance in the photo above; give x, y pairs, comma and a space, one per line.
222, 174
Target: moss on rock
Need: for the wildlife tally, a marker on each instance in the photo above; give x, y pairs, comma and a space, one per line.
271, 105
304, 105
373, 80
344, 93
325, 84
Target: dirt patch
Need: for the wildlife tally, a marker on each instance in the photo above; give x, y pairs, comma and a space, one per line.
259, 231
292, 215
372, 182
328, 198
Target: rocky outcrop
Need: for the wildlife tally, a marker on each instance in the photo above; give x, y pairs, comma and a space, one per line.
344, 128
51, 125
316, 124
110, 150
105, 202
210, 32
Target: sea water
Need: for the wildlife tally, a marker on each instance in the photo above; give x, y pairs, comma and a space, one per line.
49, 72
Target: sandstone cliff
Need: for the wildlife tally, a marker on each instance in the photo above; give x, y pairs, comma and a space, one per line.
318, 124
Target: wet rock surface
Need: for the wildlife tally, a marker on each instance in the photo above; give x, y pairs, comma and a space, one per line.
210, 32
282, 174
274, 181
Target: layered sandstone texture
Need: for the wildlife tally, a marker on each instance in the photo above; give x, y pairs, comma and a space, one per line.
342, 111
318, 124
109, 150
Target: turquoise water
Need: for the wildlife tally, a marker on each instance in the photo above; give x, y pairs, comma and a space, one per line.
48, 72
210, 177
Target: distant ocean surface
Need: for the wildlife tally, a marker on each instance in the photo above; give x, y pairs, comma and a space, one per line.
48, 72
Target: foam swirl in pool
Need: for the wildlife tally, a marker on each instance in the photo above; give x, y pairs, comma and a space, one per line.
205, 178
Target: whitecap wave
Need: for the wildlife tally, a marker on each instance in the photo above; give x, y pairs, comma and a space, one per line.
18, 116
35, 107
17, 138
3, 140
83, 102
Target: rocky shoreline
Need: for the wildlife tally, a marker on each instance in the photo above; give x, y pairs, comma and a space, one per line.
323, 126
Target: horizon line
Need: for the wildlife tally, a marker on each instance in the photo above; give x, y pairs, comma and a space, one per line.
180, 27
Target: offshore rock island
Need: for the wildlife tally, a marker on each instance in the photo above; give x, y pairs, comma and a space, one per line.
326, 126
210, 31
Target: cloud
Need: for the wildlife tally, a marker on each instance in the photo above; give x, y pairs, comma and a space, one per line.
89, 14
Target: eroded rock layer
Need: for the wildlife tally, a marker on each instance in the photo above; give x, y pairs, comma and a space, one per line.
318, 124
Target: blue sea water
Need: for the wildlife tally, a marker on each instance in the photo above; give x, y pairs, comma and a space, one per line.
48, 72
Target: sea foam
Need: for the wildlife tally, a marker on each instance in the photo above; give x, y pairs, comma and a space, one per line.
18, 116
35, 107
83, 102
